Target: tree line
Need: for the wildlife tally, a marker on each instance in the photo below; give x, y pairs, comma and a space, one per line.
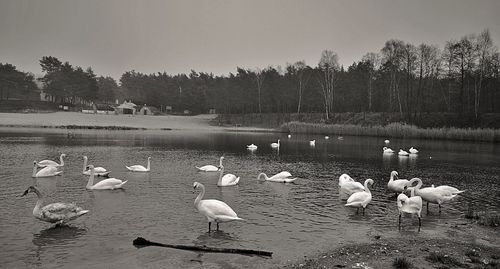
461, 77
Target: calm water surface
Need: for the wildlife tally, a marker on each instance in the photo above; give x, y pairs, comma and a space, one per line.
292, 220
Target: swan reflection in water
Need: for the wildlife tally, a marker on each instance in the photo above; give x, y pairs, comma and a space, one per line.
58, 235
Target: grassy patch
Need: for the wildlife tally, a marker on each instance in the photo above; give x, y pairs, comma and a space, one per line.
394, 130
483, 218
437, 257
402, 263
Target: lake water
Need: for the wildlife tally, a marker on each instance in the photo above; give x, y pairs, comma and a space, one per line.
291, 220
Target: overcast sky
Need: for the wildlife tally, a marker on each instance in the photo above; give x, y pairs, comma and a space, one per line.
114, 36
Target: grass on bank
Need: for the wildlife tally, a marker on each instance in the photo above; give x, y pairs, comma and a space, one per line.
483, 218
394, 130
402, 263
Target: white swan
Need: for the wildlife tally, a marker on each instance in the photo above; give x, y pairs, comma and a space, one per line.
430, 194
410, 205
227, 179
340, 138
413, 150
450, 189
215, 210
289, 136
210, 168
327, 137
46, 163
275, 145
312, 143
348, 185
99, 171
140, 168
106, 184
48, 171
403, 153
362, 198
387, 141
387, 150
397, 186
284, 177
251, 147
54, 213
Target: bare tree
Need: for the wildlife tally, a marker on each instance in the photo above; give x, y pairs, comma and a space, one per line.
392, 55
429, 62
300, 74
485, 51
259, 80
328, 65
374, 61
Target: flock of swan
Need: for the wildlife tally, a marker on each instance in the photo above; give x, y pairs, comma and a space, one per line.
359, 195
60, 213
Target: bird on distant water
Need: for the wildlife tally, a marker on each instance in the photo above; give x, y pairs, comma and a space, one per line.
209, 167
140, 168
413, 150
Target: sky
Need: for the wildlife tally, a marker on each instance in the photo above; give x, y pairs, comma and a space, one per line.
216, 36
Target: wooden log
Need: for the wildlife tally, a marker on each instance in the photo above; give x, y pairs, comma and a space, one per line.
141, 242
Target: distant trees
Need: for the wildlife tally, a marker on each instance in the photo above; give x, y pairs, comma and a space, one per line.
15, 83
462, 77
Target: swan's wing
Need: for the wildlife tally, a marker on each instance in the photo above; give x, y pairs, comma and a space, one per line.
217, 208
229, 179
47, 171
108, 182
353, 187
208, 168
100, 169
358, 197
47, 163
281, 175
60, 211
136, 168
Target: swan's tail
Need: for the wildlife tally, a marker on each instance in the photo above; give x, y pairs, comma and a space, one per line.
83, 212
353, 204
123, 183
129, 168
58, 173
199, 168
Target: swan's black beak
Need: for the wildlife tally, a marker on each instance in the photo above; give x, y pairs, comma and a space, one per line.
25, 192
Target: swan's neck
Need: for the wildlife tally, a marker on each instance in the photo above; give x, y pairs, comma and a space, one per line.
39, 203
220, 175
62, 160
419, 184
84, 164
149, 164
90, 183
392, 177
200, 196
366, 187
34, 171
220, 163
262, 175
412, 192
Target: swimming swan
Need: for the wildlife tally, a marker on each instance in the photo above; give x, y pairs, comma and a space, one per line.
215, 210
397, 186
312, 143
252, 147
105, 184
54, 213
387, 150
46, 163
140, 168
284, 177
99, 171
410, 205
210, 168
413, 150
403, 153
275, 145
349, 186
430, 194
387, 141
362, 198
227, 179
48, 171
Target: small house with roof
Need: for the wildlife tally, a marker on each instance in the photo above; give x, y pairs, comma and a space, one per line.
126, 108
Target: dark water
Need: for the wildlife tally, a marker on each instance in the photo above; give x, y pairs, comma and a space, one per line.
292, 220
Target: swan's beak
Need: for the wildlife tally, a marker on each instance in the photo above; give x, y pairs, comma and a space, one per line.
25, 192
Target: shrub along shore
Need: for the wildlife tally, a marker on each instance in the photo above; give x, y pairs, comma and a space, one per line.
399, 130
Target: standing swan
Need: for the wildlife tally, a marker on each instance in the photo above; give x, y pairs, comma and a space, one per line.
99, 171
48, 171
284, 177
46, 163
228, 179
397, 186
410, 205
362, 198
54, 213
431, 195
140, 168
210, 168
106, 184
214, 210
276, 145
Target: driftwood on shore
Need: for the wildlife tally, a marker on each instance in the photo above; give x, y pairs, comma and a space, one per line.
141, 242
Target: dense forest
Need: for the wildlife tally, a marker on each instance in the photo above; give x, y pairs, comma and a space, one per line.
460, 77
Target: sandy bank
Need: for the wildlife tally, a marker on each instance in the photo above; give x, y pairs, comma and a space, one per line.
80, 120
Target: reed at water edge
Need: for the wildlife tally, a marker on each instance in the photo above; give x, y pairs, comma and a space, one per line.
399, 130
